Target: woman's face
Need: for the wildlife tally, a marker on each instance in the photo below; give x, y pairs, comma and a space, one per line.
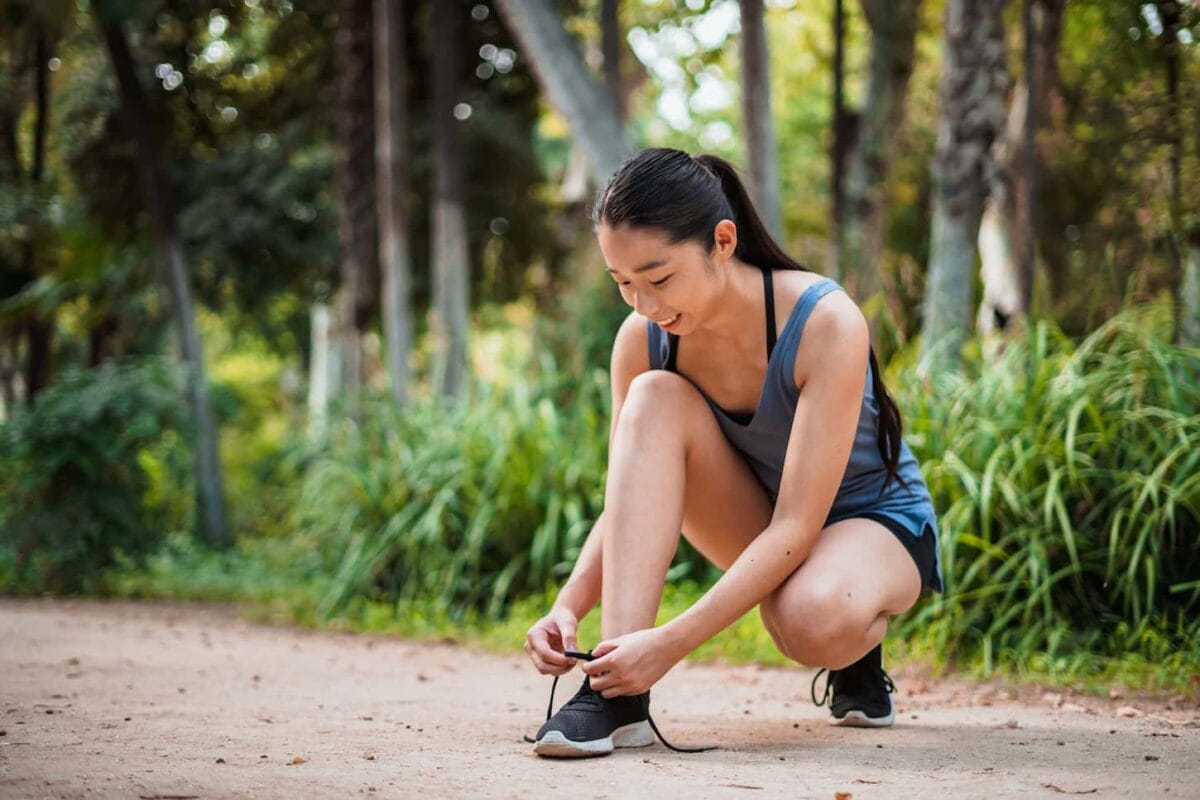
674, 285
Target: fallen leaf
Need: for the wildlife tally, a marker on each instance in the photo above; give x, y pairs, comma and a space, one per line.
843, 796
299, 760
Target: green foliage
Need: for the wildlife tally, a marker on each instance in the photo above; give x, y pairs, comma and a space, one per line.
72, 482
465, 506
1068, 482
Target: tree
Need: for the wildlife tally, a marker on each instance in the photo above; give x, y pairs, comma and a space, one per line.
156, 194
1007, 241
756, 115
970, 116
451, 272
391, 178
893, 27
356, 184
588, 109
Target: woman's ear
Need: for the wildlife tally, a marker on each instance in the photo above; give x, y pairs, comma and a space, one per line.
724, 240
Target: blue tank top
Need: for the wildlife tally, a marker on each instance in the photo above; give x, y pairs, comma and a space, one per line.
762, 437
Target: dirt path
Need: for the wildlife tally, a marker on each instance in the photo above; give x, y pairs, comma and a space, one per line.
173, 701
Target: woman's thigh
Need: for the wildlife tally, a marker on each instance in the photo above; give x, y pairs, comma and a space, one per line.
725, 506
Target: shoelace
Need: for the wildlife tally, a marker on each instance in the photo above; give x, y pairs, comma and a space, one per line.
887, 682
587, 695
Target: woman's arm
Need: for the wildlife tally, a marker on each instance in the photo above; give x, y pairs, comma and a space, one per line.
630, 358
836, 343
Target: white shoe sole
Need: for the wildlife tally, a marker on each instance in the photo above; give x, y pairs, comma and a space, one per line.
553, 743
857, 719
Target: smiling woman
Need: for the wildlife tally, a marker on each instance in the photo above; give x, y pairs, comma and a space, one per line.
776, 450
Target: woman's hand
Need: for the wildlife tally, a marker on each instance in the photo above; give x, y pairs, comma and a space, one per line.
547, 639
631, 664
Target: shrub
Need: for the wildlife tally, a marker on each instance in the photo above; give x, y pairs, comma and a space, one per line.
73, 483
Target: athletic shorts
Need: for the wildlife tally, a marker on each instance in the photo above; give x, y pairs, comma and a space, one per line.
923, 548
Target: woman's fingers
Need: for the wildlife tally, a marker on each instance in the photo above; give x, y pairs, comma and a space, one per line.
546, 658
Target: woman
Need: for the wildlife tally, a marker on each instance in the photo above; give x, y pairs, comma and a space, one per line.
748, 413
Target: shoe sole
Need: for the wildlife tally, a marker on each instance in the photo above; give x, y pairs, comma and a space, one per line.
554, 744
859, 719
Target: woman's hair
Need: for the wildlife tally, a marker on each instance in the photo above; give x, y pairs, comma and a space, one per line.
684, 198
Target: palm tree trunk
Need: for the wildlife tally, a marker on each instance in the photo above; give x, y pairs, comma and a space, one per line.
970, 117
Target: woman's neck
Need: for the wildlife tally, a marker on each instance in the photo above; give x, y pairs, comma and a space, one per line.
737, 319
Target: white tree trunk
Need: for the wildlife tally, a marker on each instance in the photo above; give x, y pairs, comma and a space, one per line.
320, 373
1189, 316
390, 182
970, 117
585, 104
451, 273
763, 171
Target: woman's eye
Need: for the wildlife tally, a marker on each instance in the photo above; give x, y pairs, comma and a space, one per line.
660, 283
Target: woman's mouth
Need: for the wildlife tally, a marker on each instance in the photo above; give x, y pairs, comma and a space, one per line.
668, 323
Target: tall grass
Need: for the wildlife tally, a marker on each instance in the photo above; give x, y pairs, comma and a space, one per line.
1068, 482
466, 506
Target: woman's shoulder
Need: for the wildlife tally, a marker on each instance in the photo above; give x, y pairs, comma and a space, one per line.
835, 330
631, 347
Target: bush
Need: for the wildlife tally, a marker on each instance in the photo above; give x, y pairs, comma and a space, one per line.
1067, 479
72, 481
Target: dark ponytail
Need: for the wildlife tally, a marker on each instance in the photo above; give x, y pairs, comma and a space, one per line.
684, 198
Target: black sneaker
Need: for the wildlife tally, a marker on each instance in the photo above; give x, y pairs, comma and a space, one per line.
590, 724
862, 693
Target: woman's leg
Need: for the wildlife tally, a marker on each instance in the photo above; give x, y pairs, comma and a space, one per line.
671, 469
833, 609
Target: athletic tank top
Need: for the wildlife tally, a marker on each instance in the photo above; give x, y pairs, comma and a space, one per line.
762, 436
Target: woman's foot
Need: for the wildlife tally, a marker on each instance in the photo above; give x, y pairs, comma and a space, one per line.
862, 693
590, 724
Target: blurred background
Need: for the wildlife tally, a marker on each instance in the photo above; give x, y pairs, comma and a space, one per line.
301, 308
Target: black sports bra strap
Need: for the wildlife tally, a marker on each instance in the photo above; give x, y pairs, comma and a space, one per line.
769, 289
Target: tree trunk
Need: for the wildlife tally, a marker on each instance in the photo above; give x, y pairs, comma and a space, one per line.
156, 191
451, 284
1007, 241
39, 327
392, 180
587, 107
1189, 296
837, 154
970, 116
355, 168
610, 45
864, 216
320, 370
756, 116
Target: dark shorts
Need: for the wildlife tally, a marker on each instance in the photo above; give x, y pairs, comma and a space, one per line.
923, 548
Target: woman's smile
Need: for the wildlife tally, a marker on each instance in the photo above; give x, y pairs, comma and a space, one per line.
670, 323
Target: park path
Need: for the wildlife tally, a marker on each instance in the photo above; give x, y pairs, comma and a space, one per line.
160, 700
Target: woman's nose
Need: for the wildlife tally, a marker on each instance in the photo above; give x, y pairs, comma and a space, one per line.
644, 307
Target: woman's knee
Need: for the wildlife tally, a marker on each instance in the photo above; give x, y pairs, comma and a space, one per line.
815, 621
656, 397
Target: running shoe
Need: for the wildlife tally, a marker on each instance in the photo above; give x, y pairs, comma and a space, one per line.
862, 693
590, 724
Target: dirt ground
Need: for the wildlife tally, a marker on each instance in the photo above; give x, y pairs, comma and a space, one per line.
189, 701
